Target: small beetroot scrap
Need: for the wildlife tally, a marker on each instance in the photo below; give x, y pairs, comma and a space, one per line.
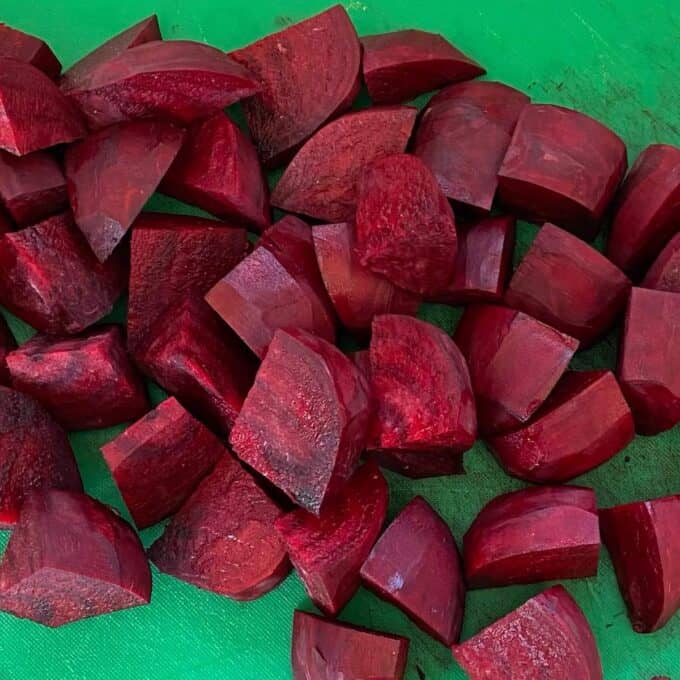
7, 344
69, 558
29, 48
664, 274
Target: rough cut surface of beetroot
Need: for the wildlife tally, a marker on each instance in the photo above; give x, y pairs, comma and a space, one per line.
562, 167
69, 558
643, 540
497, 343
304, 422
569, 285
415, 565
223, 537
34, 454
50, 278
29, 48
328, 551
324, 649
7, 344
463, 135
664, 274
548, 637
321, 180
405, 227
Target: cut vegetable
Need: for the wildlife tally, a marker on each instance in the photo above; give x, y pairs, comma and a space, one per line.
30, 49
7, 344
664, 274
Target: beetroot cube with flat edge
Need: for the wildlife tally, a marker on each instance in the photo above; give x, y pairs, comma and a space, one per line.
29, 48
664, 274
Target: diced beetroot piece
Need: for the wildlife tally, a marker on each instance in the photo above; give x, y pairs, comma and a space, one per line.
415, 565
7, 344
463, 135
303, 424
664, 274
498, 344
309, 73
563, 167
34, 454
416, 465
69, 558
643, 540
29, 48
223, 538
405, 227
50, 278
324, 649
321, 181
548, 637
328, 551
649, 358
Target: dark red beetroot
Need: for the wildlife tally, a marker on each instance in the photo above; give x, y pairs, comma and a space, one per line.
321, 181
50, 278
303, 424
584, 422
548, 637
70, 558
6, 223
569, 285
405, 227
664, 274
463, 135
223, 538
29, 48
415, 565
324, 649
643, 540
328, 551
563, 167
7, 345
84, 382
309, 73
499, 344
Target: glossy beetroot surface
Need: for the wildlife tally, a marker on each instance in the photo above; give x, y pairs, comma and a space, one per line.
7, 344
25, 47
664, 274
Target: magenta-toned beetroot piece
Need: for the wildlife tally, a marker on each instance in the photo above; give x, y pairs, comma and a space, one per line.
7, 345
584, 422
324, 649
50, 278
69, 558
562, 167
569, 285
35, 454
643, 540
223, 538
664, 274
497, 343
303, 424
85, 382
321, 180
547, 637
328, 551
405, 227
309, 72
415, 565
29, 48
159, 460
649, 357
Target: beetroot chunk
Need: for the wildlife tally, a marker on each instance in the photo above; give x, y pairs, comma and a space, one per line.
223, 538
30, 49
70, 558
7, 345
321, 181
664, 274
643, 540
548, 637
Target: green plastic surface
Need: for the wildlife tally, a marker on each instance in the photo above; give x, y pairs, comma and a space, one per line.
617, 60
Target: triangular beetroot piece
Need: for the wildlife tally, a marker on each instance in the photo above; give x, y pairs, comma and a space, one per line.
70, 558
7, 345
664, 274
309, 72
29, 48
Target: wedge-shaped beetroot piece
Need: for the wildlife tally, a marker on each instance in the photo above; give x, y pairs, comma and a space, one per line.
548, 637
321, 181
643, 540
664, 274
70, 558
29, 48
50, 278
563, 167
498, 344
324, 649
7, 344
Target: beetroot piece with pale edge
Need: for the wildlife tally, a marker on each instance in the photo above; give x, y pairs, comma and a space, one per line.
223, 537
69, 558
309, 73
562, 167
85, 382
547, 637
664, 274
29, 48
321, 180
7, 344
325, 650
498, 344
405, 227
328, 551
643, 540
